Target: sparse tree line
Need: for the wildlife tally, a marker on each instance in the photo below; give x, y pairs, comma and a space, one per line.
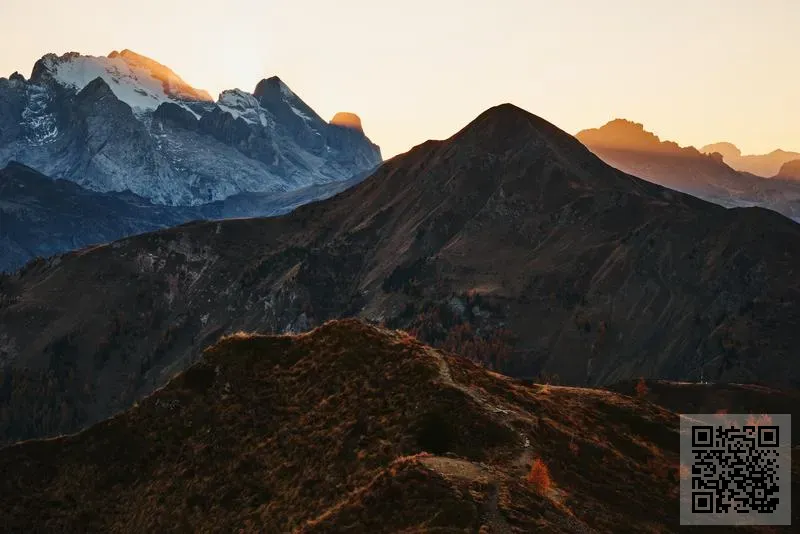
465, 333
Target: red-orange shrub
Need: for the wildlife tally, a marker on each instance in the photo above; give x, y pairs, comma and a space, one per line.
641, 388
758, 420
539, 477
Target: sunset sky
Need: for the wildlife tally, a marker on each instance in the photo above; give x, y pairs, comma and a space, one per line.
693, 71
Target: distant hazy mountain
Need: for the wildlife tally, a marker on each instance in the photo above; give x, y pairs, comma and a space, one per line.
40, 216
126, 122
764, 165
627, 146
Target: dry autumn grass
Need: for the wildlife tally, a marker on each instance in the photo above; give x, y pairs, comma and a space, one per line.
351, 428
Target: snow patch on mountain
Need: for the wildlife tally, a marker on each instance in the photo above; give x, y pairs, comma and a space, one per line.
140, 82
288, 97
40, 123
300, 114
243, 105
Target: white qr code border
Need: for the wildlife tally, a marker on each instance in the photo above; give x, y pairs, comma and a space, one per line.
735, 469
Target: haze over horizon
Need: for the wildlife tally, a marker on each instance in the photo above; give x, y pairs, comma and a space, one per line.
419, 70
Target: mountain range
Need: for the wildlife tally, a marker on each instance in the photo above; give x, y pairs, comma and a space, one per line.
509, 243
125, 122
133, 137
231, 316
355, 428
764, 165
627, 146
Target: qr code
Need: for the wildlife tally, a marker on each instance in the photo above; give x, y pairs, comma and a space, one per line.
735, 469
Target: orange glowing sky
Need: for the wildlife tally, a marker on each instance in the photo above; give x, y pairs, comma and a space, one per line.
693, 71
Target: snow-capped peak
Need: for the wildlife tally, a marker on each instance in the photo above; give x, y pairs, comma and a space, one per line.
174, 85
138, 81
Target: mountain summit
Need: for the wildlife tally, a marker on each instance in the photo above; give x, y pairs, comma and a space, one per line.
729, 151
127, 123
627, 135
140, 82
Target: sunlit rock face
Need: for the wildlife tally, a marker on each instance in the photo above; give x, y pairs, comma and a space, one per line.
348, 120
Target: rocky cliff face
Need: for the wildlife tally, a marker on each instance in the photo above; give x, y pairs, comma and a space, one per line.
125, 122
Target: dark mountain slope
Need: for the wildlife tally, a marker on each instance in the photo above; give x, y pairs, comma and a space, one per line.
351, 428
509, 242
40, 217
696, 397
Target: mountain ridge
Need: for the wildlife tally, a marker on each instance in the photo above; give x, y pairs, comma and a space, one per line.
231, 444
458, 240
